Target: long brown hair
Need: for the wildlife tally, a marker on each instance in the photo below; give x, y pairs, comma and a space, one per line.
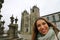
35, 31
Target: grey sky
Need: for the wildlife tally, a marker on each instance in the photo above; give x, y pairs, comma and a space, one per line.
16, 7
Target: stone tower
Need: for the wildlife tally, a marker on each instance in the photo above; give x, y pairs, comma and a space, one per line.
25, 22
34, 14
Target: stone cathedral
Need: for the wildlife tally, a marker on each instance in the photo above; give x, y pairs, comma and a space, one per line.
27, 22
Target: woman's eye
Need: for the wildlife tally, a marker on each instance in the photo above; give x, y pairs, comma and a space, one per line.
38, 25
44, 23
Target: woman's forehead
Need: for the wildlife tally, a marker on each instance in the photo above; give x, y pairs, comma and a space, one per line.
39, 21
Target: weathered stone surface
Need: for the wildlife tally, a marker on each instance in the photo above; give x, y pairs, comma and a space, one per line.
13, 29
27, 22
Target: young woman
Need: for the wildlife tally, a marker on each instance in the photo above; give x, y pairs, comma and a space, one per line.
45, 30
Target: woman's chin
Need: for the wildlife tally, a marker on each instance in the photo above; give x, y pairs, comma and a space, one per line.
44, 33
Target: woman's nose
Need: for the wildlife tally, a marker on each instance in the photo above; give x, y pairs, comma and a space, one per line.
42, 26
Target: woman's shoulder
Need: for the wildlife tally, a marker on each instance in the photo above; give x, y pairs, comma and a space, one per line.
58, 35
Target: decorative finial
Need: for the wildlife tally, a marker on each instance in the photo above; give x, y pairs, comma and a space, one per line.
16, 20
12, 19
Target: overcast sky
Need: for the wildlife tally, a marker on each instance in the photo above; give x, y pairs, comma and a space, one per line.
16, 7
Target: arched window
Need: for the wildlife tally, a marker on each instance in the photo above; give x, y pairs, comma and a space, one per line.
26, 29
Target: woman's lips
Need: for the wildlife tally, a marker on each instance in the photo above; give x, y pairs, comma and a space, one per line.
43, 31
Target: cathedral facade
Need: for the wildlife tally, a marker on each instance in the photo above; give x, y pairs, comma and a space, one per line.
27, 22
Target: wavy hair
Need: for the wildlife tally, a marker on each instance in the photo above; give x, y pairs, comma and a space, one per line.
50, 24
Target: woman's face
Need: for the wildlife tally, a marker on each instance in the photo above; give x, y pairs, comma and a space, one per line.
42, 26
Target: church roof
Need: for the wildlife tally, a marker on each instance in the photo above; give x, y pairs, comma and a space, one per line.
52, 14
35, 7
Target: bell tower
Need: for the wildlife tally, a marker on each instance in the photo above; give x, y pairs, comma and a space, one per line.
34, 14
25, 22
